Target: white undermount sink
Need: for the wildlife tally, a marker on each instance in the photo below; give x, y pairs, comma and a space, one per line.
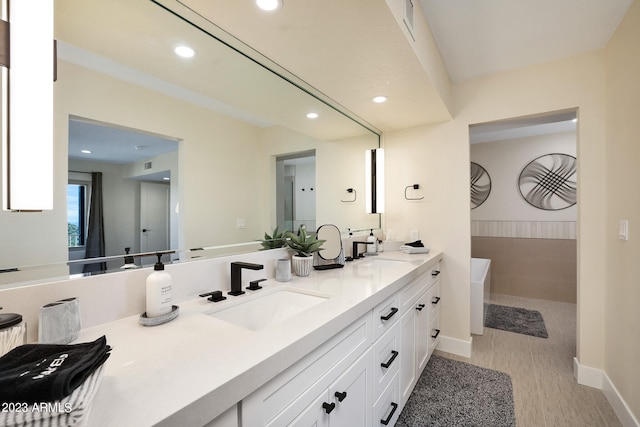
260, 311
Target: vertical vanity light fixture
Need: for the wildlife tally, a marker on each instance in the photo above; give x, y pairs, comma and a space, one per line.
374, 174
27, 105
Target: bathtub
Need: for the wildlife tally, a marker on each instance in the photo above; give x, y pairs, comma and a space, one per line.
480, 289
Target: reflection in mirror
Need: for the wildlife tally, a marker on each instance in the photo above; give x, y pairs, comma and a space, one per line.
295, 192
331, 255
139, 185
233, 119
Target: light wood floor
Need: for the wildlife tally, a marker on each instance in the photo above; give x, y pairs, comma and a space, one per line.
545, 391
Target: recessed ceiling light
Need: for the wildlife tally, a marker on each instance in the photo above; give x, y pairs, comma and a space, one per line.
269, 5
574, 120
85, 151
184, 51
312, 115
380, 99
166, 178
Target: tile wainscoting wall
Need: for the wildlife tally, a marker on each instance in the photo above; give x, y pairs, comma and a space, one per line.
529, 259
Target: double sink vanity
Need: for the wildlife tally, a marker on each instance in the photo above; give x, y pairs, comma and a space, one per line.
340, 347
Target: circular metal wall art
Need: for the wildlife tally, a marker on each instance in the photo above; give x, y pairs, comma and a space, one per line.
549, 182
480, 185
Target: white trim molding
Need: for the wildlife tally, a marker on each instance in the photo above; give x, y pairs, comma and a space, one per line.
525, 229
455, 346
596, 378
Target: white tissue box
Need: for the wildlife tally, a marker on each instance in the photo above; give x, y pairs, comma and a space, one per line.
59, 322
392, 245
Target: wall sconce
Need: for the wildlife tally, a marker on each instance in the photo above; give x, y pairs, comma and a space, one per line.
355, 196
374, 175
415, 187
26, 43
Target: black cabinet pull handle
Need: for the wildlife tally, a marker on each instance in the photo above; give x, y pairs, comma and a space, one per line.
435, 273
437, 333
388, 419
435, 301
390, 315
328, 407
388, 363
420, 307
340, 395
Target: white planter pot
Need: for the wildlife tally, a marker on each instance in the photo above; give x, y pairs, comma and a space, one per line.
301, 265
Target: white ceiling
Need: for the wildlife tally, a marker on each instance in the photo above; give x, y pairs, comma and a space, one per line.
480, 37
114, 144
352, 50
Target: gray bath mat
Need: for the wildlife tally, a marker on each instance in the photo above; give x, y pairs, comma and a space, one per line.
515, 319
452, 393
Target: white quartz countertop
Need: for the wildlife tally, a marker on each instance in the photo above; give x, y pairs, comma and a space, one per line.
192, 369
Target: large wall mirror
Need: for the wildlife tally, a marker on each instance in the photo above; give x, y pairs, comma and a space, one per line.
228, 118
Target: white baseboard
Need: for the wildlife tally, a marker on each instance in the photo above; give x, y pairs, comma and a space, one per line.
592, 377
586, 375
455, 346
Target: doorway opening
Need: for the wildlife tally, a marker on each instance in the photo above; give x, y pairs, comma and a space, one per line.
524, 206
296, 191
138, 175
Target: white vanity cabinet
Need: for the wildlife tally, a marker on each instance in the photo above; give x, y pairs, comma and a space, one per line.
363, 375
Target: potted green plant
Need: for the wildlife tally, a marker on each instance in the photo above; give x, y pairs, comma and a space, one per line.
304, 245
275, 241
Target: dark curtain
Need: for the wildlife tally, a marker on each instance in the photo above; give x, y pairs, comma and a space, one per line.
95, 227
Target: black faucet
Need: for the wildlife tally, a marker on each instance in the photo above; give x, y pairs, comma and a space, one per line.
236, 275
354, 250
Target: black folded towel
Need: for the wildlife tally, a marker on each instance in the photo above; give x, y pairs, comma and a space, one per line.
416, 244
35, 373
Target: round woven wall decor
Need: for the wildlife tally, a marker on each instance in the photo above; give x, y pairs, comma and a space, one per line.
549, 182
480, 185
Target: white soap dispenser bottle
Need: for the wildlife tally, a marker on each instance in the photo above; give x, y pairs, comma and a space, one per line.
372, 245
158, 290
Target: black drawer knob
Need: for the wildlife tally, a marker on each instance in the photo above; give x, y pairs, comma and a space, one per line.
340, 395
328, 407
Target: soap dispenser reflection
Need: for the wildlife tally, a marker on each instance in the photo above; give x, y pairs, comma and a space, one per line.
372, 245
158, 290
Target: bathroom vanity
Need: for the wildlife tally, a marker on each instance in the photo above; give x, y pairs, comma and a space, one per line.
349, 354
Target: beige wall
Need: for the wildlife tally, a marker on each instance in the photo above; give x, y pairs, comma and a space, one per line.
437, 157
622, 292
531, 268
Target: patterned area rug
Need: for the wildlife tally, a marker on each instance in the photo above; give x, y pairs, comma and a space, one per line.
451, 394
515, 319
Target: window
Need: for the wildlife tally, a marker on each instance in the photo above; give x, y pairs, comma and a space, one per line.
76, 214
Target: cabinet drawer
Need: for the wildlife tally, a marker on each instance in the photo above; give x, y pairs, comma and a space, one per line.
434, 301
385, 315
387, 409
410, 293
434, 273
386, 359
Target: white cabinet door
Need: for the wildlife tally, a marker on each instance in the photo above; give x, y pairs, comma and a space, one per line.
407, 355
317, 414
346, 403
422, 332
351, 394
